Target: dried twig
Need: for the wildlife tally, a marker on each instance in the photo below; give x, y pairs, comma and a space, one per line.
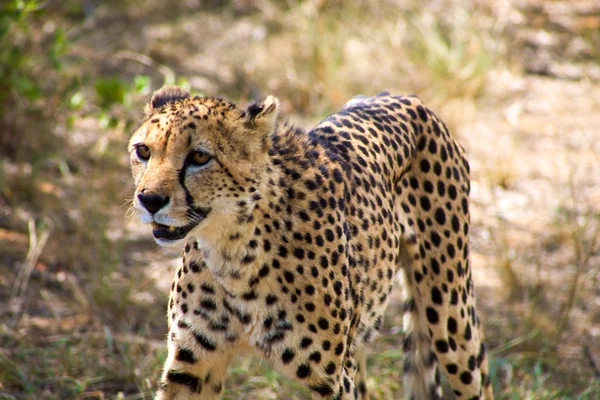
585, 246
19, 289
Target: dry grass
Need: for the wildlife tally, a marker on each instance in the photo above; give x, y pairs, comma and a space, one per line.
90, 322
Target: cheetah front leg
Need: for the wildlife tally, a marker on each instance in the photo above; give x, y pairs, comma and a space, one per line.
361, 372
195, 366
203, 336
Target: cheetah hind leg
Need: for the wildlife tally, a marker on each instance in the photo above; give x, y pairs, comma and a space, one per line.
360, 377
422, 379
347, 389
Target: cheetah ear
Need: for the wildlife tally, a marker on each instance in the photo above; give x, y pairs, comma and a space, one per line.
163, 96
262, 116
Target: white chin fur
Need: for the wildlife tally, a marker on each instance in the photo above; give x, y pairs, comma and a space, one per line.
170, 243
145, 217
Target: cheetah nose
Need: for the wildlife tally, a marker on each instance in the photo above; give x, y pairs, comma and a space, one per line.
152, 202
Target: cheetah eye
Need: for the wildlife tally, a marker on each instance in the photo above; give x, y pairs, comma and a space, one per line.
143, 151
199, 158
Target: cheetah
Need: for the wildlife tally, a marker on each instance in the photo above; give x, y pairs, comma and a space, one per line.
291, 242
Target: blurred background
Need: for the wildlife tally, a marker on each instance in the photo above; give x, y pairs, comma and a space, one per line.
83, 288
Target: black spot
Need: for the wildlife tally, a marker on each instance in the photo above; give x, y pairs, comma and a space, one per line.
282, 252
264, 271
440, 216
441, 188
455, 224
315, 357
299, 253
472, 363
323, 389
267, 245
346, 385
425, 203
452, 369
452, 192
432, 146
270, 299
273, 337
303, 371
309, 289
337, 176
182, 324
441, 346
205, 342
324, 262
206, 288
181, 378
468, 332
452, 343
329, 235
323, 323
305, 342
466, 378
310, 184
436, 295
452, 325
337, 286
287, 356
451, 250
428, 186
186, 355
432, 315
289, 277
194, 266
435, 266
436, 239
303, 215
251, 295
320, 241
450, 276
208, 304
331, 368
453, 297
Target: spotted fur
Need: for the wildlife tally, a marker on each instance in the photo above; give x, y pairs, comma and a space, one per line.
293, 239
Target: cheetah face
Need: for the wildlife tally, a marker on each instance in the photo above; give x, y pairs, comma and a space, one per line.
197, 163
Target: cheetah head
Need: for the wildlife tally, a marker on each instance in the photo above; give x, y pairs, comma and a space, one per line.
198, 162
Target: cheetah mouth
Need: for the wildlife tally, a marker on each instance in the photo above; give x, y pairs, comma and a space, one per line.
171, 233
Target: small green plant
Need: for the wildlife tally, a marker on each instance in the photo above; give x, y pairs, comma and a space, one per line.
34, 79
